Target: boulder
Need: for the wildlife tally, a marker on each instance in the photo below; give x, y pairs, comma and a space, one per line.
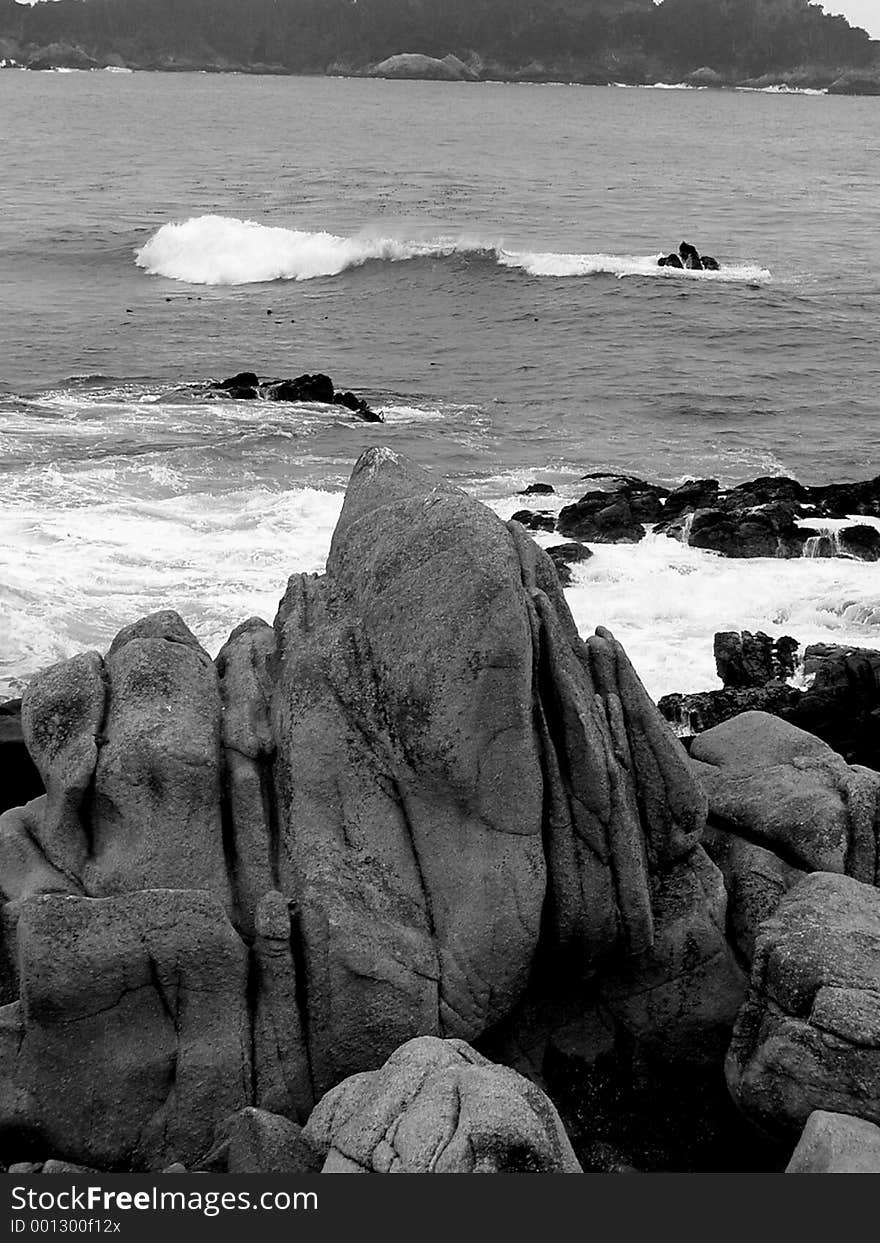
438, 1107
836, 1144
538, 489
695, 494
756, 881
808, 1037
564, 556
542, 520
318, 388
416, 65
385, 817
705, 77
861, 542
601, 518
150, 988
842, 702
753, 660
789, 792
765, 531
253, 1141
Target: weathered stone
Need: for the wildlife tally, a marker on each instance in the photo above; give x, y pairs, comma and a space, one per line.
836, 1144
790, 792
150, 991
438, 1107
808, 1037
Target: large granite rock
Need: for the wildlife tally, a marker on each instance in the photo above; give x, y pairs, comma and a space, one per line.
808, 1037
836, 1144
788, 791
438, 1107
390, 807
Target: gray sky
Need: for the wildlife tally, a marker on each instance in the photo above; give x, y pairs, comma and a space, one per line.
864, 13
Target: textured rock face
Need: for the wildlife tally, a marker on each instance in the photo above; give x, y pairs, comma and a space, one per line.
808, 1037
438, 1107
773, 783
373, 814
836, 1144
131, 1030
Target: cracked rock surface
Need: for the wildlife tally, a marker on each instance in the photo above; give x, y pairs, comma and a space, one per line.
254, 877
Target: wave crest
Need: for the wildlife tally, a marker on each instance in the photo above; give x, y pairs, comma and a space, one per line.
220, 250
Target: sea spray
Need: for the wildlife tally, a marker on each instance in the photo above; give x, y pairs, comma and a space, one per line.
220, 250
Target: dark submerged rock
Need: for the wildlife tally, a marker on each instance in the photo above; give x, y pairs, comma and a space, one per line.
318, 388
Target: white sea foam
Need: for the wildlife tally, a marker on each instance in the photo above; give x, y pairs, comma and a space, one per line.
83, 552
219, 250
550, 264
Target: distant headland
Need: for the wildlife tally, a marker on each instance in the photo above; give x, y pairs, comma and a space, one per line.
754, 44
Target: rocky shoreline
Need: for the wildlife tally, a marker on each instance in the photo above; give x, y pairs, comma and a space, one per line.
416, 66
377, 885
772, 516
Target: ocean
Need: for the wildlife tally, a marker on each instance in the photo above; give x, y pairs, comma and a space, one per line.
478, 260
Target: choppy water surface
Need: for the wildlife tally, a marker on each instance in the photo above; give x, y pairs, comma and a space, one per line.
479, 261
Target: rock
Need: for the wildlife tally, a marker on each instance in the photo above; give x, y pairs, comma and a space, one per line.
243, 385
388, 816
565, 555
538, 489
705, 77
709, 263
253, 1141
669, 261
438, 1107
766, 531
756, 880
862, 542
693, 714
161, 1029
25, 1167
600, 518
318, 388
416, 65
753, 660
808, 1037
543, 520
66, 1167
690, 257
690, 496
19, 780
836, 1144
842, 702
789, 792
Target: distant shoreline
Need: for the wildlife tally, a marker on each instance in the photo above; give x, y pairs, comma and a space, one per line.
777, 86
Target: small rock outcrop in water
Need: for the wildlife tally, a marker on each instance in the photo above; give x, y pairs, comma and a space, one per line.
766, 517
841, 704
247, 386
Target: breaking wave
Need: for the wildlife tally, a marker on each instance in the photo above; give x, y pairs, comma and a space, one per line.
219, 250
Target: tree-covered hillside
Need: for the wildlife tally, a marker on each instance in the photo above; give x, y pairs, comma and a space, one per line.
589, 40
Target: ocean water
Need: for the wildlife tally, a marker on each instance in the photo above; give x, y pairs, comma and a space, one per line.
479, 262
